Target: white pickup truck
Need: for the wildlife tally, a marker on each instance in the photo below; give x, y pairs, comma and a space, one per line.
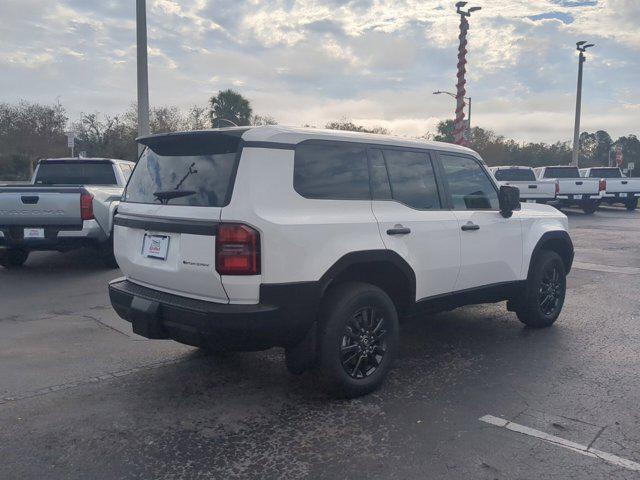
70, 203
620, 189
574, 189
532, 190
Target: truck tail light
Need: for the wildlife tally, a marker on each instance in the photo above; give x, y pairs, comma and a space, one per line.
602, 186
237, 250
86, 206
557, 187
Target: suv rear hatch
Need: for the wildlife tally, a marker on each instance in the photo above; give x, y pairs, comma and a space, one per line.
165, 234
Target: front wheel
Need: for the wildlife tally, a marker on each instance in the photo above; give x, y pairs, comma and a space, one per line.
357, 338
13, 257
544, 292
631, 203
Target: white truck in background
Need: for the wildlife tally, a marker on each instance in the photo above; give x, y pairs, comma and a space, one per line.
532, 189
620, 189
574, 190
70, 203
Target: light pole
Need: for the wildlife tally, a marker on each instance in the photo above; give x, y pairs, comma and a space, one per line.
459, 126
453, 95
581, 47
143, 70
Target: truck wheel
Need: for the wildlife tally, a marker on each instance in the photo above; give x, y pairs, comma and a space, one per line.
544, 292
357, 339
105, 250
589, 207
631, 203
13, 257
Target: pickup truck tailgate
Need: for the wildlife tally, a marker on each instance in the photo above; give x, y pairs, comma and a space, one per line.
579, 186
623, 185
40, 206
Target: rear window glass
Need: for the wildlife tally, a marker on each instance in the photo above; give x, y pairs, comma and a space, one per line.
75, 173
561, 172
330, 171
605, 173
514, 175
184, 172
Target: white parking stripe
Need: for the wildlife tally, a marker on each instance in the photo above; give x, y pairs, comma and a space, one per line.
576, 447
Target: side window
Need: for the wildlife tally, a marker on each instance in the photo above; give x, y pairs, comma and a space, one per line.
380, 188
331, 171
469, 185
412, 179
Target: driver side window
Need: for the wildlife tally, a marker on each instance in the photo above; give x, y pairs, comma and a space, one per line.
469, 185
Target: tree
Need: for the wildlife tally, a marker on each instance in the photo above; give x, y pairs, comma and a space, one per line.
445, 131
346, 124
259, 120
230, 105
197, 118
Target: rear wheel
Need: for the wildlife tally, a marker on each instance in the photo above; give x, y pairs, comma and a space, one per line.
358, 339
13, 257
545, 290
631, 203
589, 206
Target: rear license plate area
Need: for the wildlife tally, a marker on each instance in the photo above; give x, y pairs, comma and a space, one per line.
155, 246
33, 233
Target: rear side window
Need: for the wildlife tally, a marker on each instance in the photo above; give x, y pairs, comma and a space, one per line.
514, 175
605, 173
185, 171
75, 172
411, 178
469, 185
561, 172
331, 171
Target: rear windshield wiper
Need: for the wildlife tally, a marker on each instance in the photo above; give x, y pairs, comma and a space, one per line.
164, 196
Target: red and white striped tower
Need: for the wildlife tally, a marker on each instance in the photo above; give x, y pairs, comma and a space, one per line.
459, 125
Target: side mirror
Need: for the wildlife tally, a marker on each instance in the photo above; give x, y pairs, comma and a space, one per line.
509, 199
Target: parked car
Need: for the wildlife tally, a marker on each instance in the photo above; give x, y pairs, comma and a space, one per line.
531, 189
318, 241
620, 189
70, 203
574, 189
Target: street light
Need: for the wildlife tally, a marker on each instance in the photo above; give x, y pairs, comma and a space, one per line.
453, 95
581, 46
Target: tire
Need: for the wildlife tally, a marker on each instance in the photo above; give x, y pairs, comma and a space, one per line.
589, 207
547, 273
105, 250
13, 257
357, 339
631, 204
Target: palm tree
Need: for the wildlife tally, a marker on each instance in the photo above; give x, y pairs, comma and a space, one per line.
229, 105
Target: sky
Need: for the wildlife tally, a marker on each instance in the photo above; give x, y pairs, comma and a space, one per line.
375, 62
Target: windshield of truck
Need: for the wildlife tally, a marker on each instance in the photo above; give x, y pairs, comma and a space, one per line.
185, 170
605, 173
515, 175
561, 172
75, 172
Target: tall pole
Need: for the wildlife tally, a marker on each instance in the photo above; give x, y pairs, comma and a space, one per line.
576, 128
459, 126
581, 47
143, 70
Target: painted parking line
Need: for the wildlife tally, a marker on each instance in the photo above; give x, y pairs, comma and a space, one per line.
561, 442
596, 267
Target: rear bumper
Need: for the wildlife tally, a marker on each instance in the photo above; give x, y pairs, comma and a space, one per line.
620, 195
56, 237
283, 317
578, 197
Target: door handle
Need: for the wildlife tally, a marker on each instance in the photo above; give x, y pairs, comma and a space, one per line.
579, 183
398, 231
624, 182
533, 186
470, 226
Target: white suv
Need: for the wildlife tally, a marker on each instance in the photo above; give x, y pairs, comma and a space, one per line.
319, 241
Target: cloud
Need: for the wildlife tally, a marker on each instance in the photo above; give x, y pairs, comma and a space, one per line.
310, 61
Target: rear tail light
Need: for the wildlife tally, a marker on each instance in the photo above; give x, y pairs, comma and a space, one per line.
557, 188
237, 250
602, 186
86, 206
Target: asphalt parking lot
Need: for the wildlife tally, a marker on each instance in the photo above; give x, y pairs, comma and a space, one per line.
82, 397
